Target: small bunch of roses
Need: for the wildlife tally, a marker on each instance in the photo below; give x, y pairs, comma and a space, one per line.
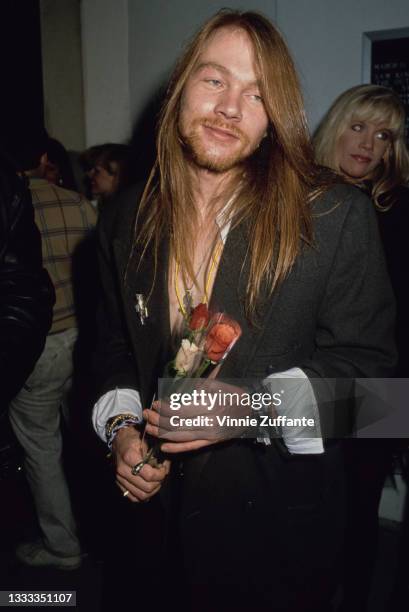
208, 340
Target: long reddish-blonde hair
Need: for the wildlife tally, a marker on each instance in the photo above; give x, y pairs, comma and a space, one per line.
272, 196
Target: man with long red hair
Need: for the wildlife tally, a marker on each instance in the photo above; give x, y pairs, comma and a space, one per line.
236, 213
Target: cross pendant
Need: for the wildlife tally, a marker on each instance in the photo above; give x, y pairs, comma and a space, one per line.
188, 302
141, 308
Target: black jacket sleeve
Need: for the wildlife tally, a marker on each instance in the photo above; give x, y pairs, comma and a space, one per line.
26, 292
114, 362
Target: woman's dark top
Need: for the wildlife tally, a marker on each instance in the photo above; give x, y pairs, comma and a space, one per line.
394, 230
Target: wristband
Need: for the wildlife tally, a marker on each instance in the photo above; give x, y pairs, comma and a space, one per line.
117, 422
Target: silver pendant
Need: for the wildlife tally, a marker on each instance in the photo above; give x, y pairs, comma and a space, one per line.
141, 308
188, 302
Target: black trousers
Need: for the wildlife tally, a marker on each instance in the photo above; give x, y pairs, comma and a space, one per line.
262, 531
244, 528
368, 462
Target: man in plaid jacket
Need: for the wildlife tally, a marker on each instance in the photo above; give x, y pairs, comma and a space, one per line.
64, 219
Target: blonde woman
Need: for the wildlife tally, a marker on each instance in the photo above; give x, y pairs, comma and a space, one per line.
362, 138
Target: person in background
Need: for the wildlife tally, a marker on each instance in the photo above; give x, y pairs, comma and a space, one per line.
64, 219
108, 168
58, 169
26, 298
26, 292
362, 137
26, 302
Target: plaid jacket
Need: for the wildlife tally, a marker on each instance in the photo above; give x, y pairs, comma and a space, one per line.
64, 218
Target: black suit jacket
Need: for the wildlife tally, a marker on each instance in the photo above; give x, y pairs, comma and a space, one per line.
332, 317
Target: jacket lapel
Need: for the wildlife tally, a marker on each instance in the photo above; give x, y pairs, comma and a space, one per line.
229, 295
150, 338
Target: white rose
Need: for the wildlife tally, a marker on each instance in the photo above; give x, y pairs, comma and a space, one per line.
186, 357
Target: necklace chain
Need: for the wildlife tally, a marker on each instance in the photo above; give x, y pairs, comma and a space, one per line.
186, 303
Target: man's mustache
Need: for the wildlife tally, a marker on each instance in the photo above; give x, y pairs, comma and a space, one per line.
217, 123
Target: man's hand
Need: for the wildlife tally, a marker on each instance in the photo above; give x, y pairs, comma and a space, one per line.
128, 450
193, 427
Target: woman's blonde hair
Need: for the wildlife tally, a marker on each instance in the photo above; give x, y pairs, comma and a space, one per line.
378, 105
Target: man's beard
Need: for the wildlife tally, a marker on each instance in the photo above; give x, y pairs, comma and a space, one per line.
213, 160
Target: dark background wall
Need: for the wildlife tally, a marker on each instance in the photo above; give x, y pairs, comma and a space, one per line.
20, 64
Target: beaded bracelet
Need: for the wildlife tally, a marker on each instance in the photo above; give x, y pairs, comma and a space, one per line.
117, 422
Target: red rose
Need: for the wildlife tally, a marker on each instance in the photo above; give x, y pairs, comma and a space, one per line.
221, 337
200, 317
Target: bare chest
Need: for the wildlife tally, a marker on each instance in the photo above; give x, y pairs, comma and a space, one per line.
188, 292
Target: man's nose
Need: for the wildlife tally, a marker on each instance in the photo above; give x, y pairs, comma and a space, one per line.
229, 105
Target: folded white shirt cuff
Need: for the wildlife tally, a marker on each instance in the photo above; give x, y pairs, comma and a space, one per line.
117, 401
300, 401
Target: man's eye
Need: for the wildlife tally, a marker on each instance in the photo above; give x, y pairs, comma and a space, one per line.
214, 82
